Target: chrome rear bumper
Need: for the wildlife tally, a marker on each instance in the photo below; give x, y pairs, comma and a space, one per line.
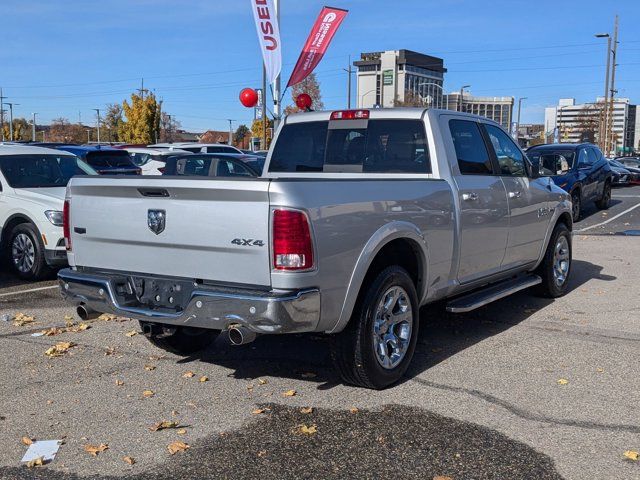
208, 307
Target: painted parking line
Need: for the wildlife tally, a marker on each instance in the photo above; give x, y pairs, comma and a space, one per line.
609, 220
626, 196
18, 292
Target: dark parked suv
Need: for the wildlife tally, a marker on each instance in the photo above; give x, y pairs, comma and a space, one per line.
104, 160
578, 168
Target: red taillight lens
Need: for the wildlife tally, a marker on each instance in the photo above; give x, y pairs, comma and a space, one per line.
66, 226
350, 115
292, 245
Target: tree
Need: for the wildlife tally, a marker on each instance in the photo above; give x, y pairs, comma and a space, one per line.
311, 87
256, 131
411, 99
168, 127
63, 131
142, 123
242, 132
113, 120
21, 130
588, 123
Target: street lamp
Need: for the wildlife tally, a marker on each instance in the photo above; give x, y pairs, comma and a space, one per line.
461, 93
11, 119
602, 133
518, 122
364, 95
33, 127
441, 89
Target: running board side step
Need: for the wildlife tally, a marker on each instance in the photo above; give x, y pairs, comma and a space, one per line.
491, 293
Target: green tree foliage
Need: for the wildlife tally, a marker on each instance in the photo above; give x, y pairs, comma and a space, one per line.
256, 130
311, 87
242, 132
142, 123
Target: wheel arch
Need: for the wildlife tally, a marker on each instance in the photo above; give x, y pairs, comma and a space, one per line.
397, 243
12, 222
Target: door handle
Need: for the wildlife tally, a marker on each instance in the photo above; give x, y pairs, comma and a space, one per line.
515, 194
470, 197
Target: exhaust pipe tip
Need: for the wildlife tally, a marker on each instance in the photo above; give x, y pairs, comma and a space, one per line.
241, 335
86, 313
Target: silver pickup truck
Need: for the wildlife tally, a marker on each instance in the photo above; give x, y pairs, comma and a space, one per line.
359, 219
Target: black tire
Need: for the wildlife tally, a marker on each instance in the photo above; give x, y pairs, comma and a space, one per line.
576, 201
353, 351
605, 200
184, 341
25, 252
550, 286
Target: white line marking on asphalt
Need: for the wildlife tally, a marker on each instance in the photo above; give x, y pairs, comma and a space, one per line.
609, 220
17, 292
626, 196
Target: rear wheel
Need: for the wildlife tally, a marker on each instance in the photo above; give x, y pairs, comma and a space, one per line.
179, 340
556, 265
26, 252
376, 347
576, 201
605, 200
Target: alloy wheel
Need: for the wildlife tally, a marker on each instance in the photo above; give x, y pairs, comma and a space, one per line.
392, 325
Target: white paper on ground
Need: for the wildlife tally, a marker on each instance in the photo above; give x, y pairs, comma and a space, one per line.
42, 448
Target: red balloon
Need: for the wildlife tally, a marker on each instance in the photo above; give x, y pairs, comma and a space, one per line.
303, 101
249, 97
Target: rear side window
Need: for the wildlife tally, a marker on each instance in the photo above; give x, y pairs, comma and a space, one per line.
193, 166
228, 168
471, 151
510, 158
221, 150
376, 146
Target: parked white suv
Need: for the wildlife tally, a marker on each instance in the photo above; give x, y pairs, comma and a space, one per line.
152, 160
194, 147
33, 182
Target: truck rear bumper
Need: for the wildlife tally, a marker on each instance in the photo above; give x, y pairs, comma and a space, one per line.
207, 307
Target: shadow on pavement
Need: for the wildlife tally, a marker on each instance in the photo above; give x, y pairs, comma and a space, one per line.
441, 336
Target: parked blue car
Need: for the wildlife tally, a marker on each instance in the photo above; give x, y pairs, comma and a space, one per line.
104, 160
579, 168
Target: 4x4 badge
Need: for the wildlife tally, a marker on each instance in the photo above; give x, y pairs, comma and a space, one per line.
156, 221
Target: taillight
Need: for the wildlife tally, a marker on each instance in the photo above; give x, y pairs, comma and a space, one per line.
292, 244
66, 226
350, 115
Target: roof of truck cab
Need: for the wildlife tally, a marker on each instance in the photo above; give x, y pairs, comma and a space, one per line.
30, 150
407, 113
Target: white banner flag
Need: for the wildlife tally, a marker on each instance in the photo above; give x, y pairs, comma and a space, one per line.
269, 36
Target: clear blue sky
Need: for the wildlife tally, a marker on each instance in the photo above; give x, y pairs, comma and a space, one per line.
61, 57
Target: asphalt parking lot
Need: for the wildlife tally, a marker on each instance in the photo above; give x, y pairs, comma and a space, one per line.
524, 388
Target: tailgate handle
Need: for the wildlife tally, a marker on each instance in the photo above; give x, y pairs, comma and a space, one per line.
153, 192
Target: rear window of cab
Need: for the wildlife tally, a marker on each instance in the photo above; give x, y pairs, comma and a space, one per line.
373, 146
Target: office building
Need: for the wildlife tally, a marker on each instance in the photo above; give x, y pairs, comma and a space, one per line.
498, 109
399, 77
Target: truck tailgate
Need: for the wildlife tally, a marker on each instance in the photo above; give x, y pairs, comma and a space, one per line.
214, 229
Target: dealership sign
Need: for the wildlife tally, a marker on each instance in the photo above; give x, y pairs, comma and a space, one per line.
268, 30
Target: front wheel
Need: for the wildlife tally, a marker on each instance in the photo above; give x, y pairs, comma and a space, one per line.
26, 252
376, 347
576, 202
556, 265
605, 200
182, 341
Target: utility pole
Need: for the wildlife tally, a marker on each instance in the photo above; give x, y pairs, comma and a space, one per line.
230, 132
518, 121
142, 89
612, 90
88, 135
602, 126
11, 119
349, 71
79, 117
276, 85
33, 127
97, 110
168, 135
2, 98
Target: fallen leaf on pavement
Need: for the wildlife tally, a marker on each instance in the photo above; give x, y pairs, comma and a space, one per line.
149, 368
119, 383
631, 455
599, 370
59, 349
148, 393
176, 447
129, 460
20, 320
203, 379
289, 393
182, 431
258, 411
262, 453
50, 332
563, 381
96, 449
163, 425
27, 441
36, 462
442, 477
307, 430
306, 410
132, 333
262, 381
353, 410
188, 374
107, 317
109, 351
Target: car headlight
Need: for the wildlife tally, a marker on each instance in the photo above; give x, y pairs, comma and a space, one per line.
55, 217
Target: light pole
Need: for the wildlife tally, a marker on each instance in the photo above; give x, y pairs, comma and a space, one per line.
518, 121
33, 127
11, 119
230, 131
460, 97
602, 131
441, 89
88, 135
97, 110
349, 71
365, 94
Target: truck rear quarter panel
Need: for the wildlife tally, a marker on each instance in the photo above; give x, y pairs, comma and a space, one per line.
352, 219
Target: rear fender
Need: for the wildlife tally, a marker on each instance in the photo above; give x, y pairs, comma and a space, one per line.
384, 235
